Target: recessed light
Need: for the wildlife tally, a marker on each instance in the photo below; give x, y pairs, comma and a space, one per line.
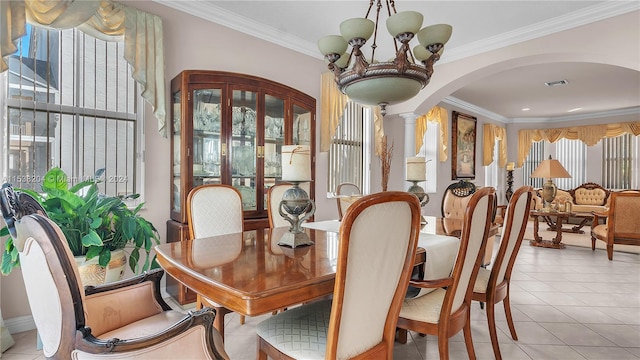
574, 109
526, 109
557, 82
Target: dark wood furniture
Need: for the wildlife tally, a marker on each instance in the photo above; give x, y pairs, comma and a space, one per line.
554, 221
492, 286
622, 226
229, 128
249, 273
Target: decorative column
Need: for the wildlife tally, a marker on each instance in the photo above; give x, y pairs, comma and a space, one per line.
409, 136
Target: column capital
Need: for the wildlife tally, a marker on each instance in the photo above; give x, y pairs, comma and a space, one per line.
409, 116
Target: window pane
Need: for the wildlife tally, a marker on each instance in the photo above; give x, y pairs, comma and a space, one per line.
572, 155
536, 155
71, 103
617, 159
346, 156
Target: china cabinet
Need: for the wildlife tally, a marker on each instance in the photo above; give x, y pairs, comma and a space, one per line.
229, 128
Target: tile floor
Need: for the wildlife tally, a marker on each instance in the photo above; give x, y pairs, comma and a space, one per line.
567, 304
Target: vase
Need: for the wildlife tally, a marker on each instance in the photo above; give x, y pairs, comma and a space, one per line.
92, 274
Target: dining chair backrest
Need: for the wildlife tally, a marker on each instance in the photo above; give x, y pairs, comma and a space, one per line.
214, 209
274, 196
477, 221
515, 224
381, 228
455, 199
345, 189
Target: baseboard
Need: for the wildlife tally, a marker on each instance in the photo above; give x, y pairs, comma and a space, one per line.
20, 324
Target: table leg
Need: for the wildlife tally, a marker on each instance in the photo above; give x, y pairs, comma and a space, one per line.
218, 322
558, 238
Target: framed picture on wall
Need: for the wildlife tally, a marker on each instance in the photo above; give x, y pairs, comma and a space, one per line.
463, 146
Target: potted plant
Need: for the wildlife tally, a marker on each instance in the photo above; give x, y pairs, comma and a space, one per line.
94, 224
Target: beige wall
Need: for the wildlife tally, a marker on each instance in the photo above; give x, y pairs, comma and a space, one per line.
193, 43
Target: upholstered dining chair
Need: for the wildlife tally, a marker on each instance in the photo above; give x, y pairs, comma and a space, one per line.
622, 225
454, 202
360, 321
492, 286
345, 189
446, 310
274, 196
122, 320
214, 209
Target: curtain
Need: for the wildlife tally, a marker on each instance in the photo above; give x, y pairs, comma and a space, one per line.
590, 135
141, 33
333, 103
437, 115
492, 133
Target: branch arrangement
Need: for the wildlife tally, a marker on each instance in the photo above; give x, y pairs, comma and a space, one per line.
385, 156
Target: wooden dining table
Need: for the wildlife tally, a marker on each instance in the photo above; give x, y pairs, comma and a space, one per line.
249, 273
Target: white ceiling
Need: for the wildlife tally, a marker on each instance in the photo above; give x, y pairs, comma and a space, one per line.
477, 26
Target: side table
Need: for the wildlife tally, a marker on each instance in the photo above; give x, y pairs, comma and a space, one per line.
554, 220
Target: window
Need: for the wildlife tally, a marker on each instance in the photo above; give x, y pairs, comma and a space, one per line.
72, 103
572, 155
535, 157
348, 158
617, 161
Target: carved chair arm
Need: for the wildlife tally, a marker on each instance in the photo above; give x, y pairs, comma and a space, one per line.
153, 276
208, 336
597, 215
428, 284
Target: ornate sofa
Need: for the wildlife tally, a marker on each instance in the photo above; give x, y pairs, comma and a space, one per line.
585, 198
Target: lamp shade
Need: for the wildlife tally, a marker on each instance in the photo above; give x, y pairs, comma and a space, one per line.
296, 163
549, 169
404, 22
416, 169
434, 34
332, 44
357, 28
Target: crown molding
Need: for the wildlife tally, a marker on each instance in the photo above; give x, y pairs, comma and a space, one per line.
221, 16
581, 17
216, 14
530, 120
475, 109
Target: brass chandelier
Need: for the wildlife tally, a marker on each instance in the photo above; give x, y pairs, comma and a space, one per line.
384, 82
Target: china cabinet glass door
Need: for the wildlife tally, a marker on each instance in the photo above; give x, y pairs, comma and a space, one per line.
274, 129
207, 126
243, 146
176, 199
301, 125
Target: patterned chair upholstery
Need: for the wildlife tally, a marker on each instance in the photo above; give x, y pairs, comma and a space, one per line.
122, 320
622, 225
492, 286
446, 311
274, 196
360, 321
214, 210
352, 192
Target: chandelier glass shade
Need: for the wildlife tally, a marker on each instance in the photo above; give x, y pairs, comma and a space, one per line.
372, 82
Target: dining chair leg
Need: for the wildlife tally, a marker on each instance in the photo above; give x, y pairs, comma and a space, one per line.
443, 346
468, 341
401, 336
241, 319
493, 334
261, 355
507, 312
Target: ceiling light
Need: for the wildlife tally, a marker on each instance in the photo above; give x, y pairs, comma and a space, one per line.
574, 109
526, 109
372, 82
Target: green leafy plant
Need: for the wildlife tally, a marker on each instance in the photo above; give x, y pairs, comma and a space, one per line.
93, 223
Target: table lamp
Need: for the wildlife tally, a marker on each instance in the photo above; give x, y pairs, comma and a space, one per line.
296, 169
417, 172
549, 169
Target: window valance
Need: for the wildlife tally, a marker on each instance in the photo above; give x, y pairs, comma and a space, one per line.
106, 20
437, 115
333, 104
590, 135
491, 133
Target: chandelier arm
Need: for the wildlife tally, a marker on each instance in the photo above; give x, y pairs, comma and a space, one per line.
369, 9
375, 31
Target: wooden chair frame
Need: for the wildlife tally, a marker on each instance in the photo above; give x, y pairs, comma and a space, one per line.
613, 236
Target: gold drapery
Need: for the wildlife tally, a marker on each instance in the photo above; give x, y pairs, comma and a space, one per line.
589, 134
333, 104
438, 115
491, 133
106, 20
